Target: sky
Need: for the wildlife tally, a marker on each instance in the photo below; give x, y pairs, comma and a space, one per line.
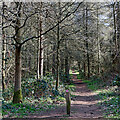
59, 0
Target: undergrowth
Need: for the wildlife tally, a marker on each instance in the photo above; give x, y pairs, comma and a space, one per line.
108, 93
38, 95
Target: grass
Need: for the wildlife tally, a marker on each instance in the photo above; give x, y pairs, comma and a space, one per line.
21, 110
110, 103
109, 99
33, 106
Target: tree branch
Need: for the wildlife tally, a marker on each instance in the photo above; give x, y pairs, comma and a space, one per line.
67, 15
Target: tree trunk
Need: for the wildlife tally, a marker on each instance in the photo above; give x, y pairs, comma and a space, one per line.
58, 51
84, 67
118, 24
98, 43
67, 69
79, 67
40, 46
84, 62
41, 57
115, 30
17, 98
3, 54
53, 61
61, 66
57, 58
48, 65
66, 63
87, 47
1, 97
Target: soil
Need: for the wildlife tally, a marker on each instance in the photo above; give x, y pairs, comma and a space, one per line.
83, 106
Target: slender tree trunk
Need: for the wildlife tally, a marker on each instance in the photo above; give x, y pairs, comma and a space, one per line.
79, 67
29, 63
1, 97
17, 98
67, 69
84, 67
58, 51
48, 65
87, 47
40, 51
41, 57
84, 62
3, 55
40, 46
61, 66
62, 62
115, 30
44, 68
118, 38
66, 63
57, 58
98, 43
53, 61
118, 24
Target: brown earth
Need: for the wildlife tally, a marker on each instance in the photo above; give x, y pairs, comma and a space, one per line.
83, 105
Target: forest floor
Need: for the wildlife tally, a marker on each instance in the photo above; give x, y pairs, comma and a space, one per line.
84, 104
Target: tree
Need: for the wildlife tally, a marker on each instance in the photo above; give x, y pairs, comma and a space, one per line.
17, 98
3, 53
17, 17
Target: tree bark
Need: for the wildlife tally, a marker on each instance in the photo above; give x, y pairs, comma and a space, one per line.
66, 63
98, 43
58, 51
115, 30
79, 67
87, 45
40, 46
17, 98
53, 61
48, 65
3, 54
57, 58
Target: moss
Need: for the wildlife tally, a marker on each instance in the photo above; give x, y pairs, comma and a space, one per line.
17, 98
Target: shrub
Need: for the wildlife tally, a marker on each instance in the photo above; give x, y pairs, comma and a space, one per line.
43, 87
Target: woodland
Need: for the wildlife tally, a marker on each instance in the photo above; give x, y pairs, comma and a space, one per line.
49, 48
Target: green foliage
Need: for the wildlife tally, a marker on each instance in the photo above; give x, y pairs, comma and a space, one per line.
38, 95
8, 93
111, 104
117, 81
80, 76
110, 100
95, 83
44, 87
64, 78
35, 89
70, 87
20, 110
59, 98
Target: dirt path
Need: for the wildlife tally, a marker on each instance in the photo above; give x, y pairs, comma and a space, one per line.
83, 105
